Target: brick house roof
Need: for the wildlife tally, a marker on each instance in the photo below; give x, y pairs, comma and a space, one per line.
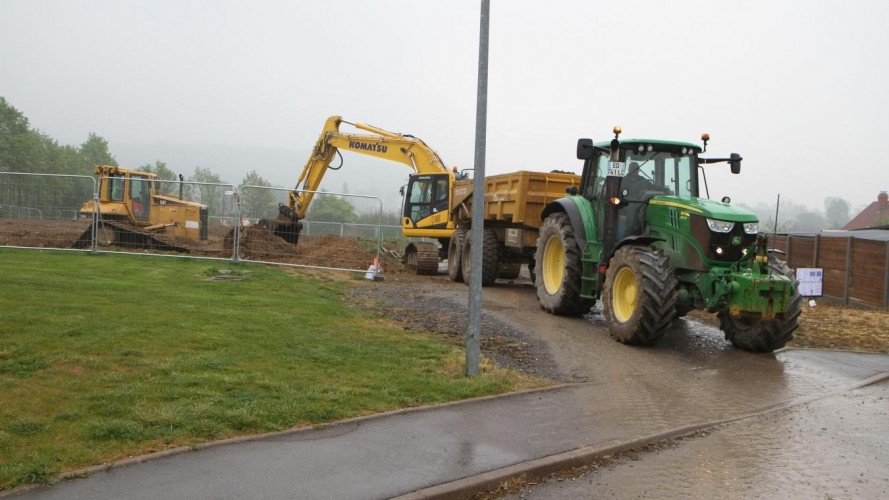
872, 215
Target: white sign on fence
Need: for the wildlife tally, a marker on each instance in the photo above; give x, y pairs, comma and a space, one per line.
810, 281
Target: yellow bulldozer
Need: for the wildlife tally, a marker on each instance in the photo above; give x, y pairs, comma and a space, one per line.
131, 211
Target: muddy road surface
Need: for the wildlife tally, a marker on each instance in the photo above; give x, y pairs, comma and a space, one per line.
802, 428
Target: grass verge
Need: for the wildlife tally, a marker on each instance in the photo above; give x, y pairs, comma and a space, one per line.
105, 356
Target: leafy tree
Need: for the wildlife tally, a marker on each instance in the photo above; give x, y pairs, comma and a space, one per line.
167, 176
836, 212
810, 221
785, 226
14, 135
257, 202
331, 208
95, 152
206, 190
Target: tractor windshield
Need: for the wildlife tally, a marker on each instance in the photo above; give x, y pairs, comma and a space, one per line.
666, 172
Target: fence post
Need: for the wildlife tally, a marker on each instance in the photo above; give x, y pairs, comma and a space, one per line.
848, 269
815, 250
94, 233
787, 246
886, 277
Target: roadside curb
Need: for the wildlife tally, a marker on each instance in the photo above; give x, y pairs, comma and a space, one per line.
538, 468
126, 462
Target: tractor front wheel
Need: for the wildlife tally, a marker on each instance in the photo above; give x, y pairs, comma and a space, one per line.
639, 300
557, 270
757, 335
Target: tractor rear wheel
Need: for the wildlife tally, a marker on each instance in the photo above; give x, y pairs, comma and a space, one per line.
455, 255
489, 258
557, 269
756, 335
639, 300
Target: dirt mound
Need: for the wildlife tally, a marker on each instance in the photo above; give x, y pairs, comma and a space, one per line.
255, 244
41, 233
332, 251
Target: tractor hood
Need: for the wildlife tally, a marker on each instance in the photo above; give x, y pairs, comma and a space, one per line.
706, 208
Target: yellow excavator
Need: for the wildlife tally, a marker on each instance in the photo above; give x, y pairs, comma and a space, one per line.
427, 201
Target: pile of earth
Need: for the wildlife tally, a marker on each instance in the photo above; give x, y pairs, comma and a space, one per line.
332, 251
41, 233
255, 244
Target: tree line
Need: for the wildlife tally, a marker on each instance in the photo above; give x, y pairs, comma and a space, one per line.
28, 150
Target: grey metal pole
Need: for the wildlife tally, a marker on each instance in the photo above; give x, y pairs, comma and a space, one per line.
473, 332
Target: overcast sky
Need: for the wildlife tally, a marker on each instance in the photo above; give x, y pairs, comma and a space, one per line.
799, 89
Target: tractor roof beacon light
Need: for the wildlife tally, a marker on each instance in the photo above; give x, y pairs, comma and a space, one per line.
705, 137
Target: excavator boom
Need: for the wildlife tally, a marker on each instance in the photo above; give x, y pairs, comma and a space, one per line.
405, 149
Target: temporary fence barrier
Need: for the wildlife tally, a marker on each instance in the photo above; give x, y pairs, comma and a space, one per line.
236, 223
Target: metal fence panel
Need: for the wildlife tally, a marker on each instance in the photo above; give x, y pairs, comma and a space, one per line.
331, 237
342, 231
43, 210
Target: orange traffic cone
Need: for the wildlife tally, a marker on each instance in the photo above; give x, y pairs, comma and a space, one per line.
374, 271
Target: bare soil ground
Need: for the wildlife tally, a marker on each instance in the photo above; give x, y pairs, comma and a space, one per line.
824, 326
254, 244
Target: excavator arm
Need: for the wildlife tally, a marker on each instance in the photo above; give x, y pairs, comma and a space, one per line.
405, 149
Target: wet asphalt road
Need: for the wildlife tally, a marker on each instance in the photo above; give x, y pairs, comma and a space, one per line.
831, 444
836, 447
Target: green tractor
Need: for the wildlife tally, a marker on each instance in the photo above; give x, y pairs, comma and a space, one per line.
639, 236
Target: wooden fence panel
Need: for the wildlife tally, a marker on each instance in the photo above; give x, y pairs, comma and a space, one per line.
802, 252
832, 258
868, 273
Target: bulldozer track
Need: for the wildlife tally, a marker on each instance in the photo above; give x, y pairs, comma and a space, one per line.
126, 235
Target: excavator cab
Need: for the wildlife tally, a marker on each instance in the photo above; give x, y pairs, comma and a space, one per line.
426, 195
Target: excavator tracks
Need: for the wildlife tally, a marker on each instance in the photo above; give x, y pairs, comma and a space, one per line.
422, 258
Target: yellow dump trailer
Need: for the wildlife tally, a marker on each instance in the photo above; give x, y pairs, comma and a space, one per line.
514, 203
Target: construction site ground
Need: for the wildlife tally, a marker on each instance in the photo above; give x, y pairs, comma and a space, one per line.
255, 244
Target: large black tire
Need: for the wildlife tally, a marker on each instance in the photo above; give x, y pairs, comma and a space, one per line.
557, 269
756, 335
490, 266
455, 255
639, 300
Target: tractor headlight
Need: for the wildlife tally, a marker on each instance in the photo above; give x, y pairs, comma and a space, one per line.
751, 227
720, 226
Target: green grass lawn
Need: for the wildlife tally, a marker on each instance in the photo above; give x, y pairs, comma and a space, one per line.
107, 356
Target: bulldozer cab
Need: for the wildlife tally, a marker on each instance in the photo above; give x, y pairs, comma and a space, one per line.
130, 190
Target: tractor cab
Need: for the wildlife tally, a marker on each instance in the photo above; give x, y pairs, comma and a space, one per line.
643, 170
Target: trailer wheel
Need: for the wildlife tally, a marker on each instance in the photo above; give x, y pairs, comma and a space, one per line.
455, 255
639, 299
756, 335
510, 270
489, 258
557, 269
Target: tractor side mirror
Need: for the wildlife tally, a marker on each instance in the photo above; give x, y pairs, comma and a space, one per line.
585, 149
735, 163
